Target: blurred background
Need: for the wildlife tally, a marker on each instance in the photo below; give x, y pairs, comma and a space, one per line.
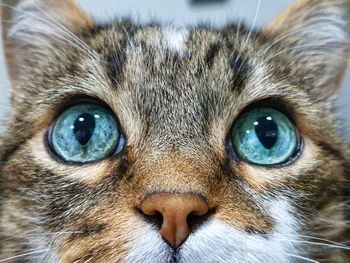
189, 12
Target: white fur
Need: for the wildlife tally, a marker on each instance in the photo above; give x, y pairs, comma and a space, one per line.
219, 242
49, 254
148, 247
175, 39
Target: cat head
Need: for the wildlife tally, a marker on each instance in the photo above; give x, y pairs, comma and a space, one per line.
148, 143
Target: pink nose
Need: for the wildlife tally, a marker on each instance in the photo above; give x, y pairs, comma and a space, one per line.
175, 209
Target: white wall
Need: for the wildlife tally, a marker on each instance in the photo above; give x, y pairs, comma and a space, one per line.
180, 12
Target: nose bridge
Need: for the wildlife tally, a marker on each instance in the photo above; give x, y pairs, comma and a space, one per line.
174, 169
178, 110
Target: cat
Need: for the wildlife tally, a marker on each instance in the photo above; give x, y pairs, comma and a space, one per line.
135, 142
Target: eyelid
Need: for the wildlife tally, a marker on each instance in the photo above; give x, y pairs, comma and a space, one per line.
278, 103
74, 99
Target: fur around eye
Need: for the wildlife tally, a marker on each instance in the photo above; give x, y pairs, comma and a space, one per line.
265, 136
85, 133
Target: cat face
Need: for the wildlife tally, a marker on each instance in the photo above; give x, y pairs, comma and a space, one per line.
147, 143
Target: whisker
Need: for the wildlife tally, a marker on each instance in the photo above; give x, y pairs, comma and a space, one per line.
89, 260
304, 258
128, 37
344, 247
41, 234
239, 24
323, 244
255, 19
24, 255
324, 240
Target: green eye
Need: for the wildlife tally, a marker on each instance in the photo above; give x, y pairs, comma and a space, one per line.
265, 136
85, 133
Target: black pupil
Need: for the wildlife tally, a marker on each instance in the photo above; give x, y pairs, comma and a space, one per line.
84, 127
267, 131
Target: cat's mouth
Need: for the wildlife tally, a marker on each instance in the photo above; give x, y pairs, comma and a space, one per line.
175, 258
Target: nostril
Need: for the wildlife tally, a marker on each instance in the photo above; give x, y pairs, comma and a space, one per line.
195, 220
192, 219
154, 218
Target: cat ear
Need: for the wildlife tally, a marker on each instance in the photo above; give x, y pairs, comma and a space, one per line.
35, 27
314, 35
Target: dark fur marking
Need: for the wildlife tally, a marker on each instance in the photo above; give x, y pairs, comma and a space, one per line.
212, 53
114, 65
346, 187
5, 158
330, 150
88, 230
347, 175
122, 169
9, 152
226, 167
117, 58
58, 208
114, 58
240, 69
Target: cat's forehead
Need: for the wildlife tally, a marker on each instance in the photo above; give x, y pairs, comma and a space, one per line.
190, 60
167, 51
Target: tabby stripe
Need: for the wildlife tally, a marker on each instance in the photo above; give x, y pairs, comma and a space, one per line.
240, 70
212, 52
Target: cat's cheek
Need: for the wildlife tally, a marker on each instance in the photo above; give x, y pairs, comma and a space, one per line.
260, 177
90, 174
115, 241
